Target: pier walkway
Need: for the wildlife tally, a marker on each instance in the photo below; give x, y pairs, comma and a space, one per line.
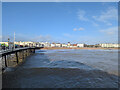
3, 52
13, 57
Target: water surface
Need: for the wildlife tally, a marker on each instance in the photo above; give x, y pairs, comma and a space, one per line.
106, 60
65, 69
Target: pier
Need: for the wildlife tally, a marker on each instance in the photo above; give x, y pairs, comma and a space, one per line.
11, 58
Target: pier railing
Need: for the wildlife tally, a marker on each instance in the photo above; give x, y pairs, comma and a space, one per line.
11, 58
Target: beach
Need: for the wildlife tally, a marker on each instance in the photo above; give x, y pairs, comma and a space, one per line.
88, 48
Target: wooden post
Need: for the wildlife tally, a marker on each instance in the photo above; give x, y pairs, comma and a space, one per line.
23, 53
26, 53
17, 57
33, 50
5, 61
30, 51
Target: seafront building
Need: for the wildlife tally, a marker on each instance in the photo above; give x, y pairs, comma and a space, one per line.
68, 45
73, 46
44, 44
20, 44
58, 45
80, 45
47, 44
52, 45
64, 45
109, 45
6, 43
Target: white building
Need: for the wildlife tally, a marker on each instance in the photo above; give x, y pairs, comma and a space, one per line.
11, 45
58, 45
52, 45
64, 45
4, 43
46, 44
80, 45
30, 44
110, 45
38, 44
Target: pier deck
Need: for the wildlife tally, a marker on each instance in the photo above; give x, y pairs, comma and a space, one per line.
6, 52
19, 55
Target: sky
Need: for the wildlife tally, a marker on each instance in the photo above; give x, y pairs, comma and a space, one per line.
61, 22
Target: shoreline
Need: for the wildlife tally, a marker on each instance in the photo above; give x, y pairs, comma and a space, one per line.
88, 48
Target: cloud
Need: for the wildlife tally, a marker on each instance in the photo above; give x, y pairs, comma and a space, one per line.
81, 15
74, 29
41, 38
0, 38
68, 35
110, 35
107, 16
94, 23
23, 37
110, 31
79, 29
5, 38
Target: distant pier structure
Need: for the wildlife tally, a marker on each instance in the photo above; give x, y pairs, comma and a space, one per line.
11, 58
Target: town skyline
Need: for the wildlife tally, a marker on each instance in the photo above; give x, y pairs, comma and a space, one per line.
61, 22
54, 45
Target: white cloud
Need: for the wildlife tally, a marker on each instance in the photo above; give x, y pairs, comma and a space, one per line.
0, 37
110, 31
68, 35
5, 38
81, 15
45, 38
23, 37
74, 29
94, 23
109, 24
79, 29
108, 15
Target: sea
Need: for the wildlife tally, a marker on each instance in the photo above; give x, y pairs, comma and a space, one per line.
66, 68
105, 60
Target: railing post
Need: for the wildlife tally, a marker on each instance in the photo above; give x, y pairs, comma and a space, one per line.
5, 61
23, 54
17, 57
33, 50
27, 52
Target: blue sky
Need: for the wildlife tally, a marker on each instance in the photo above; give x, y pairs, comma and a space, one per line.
79, 22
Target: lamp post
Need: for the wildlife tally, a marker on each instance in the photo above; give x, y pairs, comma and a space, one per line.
14, 40
8, 42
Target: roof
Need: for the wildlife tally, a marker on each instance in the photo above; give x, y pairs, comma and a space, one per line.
74, 44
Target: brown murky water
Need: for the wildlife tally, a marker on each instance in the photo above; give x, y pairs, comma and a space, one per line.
65, 69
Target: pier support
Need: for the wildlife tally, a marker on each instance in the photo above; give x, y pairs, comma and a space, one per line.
17, 57
33, 50
5, 61
23, 54
13, 58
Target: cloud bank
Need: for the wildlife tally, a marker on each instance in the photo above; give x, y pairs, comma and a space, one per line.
110, 14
